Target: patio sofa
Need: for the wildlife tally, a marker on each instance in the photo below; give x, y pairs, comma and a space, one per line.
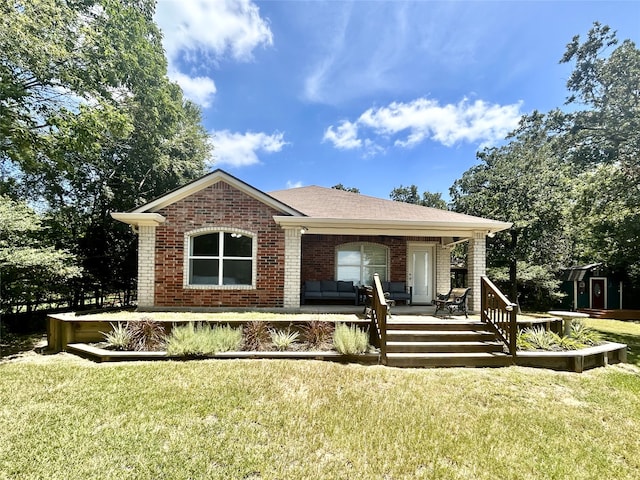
329, 290
398, 291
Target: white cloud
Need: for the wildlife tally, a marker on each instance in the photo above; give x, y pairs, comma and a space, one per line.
197, 33
425, 119
292, 184
241, 149
197, 89
344, 137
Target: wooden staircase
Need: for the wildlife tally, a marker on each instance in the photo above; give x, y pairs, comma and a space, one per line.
446, 342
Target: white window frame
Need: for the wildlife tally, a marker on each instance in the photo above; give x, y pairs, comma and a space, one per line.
188, 237
361, 245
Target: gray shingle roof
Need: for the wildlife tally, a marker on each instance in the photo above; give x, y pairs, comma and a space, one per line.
330, 203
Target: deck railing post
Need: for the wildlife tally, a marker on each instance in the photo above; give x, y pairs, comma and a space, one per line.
379, 313
513, 326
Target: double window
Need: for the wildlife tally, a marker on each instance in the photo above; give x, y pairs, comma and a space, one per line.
357, 262
220, 258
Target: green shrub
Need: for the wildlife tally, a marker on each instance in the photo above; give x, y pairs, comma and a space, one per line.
584, 334
568, 343
119, 338
140, 335
350, 340
190, 339
257, 335
283, 339
227, 339
537, 338
317, 334
146, 335
182, 341
580, 336
199, 339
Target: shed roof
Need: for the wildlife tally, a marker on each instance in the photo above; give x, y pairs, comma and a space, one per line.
578, 272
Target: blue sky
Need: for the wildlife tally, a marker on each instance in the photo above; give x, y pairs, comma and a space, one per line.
371, 94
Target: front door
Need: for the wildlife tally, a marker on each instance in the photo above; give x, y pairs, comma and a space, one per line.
420, 273
598, 293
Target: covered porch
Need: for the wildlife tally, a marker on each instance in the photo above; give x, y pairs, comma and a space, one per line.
343, 236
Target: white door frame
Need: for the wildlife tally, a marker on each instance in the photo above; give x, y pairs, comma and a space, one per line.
430, 247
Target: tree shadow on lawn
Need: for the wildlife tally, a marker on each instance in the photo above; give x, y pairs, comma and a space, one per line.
632, 342
12, 345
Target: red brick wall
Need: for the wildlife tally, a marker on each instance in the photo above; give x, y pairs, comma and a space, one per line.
319, 254
219, 205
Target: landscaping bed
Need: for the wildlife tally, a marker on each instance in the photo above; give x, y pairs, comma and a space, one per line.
99, 354
574, 360
147, 338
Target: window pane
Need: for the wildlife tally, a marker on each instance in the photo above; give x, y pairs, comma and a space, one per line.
374, 255
369, 271
236, 245
203, 272
349, 257
348, 273
206, 245
236, 272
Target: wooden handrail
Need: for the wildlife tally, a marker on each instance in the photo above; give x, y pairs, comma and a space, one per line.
500, 313
379, 311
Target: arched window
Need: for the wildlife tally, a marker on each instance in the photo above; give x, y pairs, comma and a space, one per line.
357, 262
220, 258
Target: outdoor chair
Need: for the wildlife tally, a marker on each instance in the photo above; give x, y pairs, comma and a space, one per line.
454, 301
367, 300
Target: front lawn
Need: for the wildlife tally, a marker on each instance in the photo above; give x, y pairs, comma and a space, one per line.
63, 417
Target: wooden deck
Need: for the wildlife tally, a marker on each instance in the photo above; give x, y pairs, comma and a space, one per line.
414, 336
612, 314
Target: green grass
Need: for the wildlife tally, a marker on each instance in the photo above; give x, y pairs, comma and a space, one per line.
62, 417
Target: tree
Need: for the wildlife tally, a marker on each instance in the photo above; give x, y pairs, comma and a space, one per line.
602, 134
339, 186
527, 183
567, 180
606, 219
30, 269
410, 195
604, 93
91, 123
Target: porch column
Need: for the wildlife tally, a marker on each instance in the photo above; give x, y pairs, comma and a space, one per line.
292, 254
443, 269
146, 265
477, 267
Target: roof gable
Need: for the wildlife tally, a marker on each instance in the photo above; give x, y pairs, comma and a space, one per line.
208, 180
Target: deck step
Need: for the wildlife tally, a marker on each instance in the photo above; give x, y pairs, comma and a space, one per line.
439, 336
436, 325
443, 347
430, 360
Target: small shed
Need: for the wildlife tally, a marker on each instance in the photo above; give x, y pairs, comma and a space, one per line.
592, 286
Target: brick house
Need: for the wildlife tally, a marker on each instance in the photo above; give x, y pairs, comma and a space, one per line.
219, 242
